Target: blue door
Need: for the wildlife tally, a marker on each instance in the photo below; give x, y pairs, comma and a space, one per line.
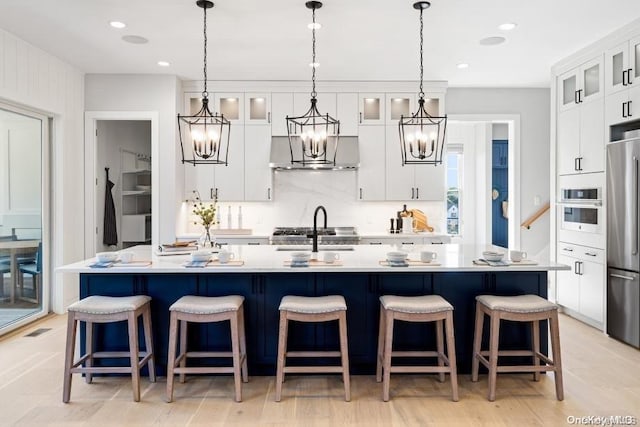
500, 193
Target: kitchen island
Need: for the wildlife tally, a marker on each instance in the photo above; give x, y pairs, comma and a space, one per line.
263, 279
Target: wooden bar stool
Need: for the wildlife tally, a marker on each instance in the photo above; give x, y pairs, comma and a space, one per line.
313, 309
198, 309
426, 308
101, 309
522, 308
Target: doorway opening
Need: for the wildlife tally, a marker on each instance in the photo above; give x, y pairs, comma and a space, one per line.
484, 179
24, 216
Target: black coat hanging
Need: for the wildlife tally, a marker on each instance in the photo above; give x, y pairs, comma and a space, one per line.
110, 233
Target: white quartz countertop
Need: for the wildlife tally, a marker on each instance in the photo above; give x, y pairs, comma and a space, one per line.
363, 258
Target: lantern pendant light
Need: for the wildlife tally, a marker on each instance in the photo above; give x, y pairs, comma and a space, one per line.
313, 137
207, 132
422, 136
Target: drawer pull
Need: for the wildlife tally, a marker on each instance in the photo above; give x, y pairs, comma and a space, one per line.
590, 254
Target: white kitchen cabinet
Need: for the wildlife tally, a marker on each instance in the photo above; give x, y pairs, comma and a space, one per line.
410, 182
371, 108
257, 109
398, 105
231, 106
581, 139
229, 180
581, 85
281, 107
371, 174
582, 288
622, 66
623, 106
258, 178
347, 113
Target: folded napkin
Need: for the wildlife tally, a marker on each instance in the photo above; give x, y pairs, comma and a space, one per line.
300, 264
196, 264
99, 264
482, 261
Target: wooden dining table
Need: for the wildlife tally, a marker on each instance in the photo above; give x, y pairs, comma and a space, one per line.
14, 248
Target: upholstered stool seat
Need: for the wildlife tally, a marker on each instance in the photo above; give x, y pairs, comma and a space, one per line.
522, 308
200, 309
313, 309
103, 309
426, 308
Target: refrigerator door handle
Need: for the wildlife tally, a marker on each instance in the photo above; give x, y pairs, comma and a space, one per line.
635, 206
620, 276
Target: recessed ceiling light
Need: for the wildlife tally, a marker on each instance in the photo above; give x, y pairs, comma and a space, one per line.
462, 65
492, 41
507, 26
117, 24
163, 63
135, 39
314, 26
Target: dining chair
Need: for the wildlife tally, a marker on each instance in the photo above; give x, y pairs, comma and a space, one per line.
35, 270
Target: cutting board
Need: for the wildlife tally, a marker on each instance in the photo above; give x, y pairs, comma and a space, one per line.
420, 221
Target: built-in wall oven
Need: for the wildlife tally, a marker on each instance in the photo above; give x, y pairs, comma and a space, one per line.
581, 210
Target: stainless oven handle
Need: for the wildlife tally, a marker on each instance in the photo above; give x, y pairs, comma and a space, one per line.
594, 203
635, 205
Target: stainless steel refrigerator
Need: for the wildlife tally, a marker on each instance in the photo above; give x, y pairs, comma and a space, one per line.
623, 241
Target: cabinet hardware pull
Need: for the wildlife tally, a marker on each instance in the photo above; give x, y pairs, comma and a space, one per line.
417, 192
269, 193
590, 254
624, 78
575, 164
269, 117
216, 192
629, 82
407, 243
575, 267
629, 109
360, 193
253, 243
412, 193
361, 117
567, 249
580, 163
375, 243
620, 276
581, 265
623, 113
211, 193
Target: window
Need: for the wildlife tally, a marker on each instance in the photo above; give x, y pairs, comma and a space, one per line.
454, 188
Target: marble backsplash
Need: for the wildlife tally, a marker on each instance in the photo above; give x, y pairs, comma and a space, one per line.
298, 193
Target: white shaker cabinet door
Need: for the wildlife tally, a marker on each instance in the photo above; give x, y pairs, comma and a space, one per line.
592, 137
400, 179
592, 290
199, 178
229, 180
568, 141
371, 174
429, 182
347, 113
281, 106
568, 284
257, 173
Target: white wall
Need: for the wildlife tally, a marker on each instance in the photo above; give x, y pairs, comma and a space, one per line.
114, 135
500, 131
36, 80
158, 93
533, 107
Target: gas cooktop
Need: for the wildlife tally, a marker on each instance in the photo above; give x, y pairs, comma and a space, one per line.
326, 236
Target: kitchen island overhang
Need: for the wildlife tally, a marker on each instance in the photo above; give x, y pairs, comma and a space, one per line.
264, 279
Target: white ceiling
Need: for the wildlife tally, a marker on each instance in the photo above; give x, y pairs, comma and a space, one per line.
360, 39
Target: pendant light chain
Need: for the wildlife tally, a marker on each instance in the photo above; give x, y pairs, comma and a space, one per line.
421, 93
313, 62
205, 94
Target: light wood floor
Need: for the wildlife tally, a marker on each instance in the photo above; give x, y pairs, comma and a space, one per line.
602, 377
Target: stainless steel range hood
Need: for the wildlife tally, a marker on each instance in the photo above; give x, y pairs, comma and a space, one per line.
347, 157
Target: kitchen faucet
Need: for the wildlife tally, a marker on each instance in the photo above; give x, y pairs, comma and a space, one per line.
315, 226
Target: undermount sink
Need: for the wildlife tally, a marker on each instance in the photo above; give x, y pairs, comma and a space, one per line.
307, 248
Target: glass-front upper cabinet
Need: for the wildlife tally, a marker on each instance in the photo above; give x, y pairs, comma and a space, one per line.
580, 85
623, 65
399, 105
371, 109
257, 108
231, 106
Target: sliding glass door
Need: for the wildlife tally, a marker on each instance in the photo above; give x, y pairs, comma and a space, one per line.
24, 209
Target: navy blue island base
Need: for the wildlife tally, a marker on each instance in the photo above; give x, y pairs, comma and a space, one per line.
263, 292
